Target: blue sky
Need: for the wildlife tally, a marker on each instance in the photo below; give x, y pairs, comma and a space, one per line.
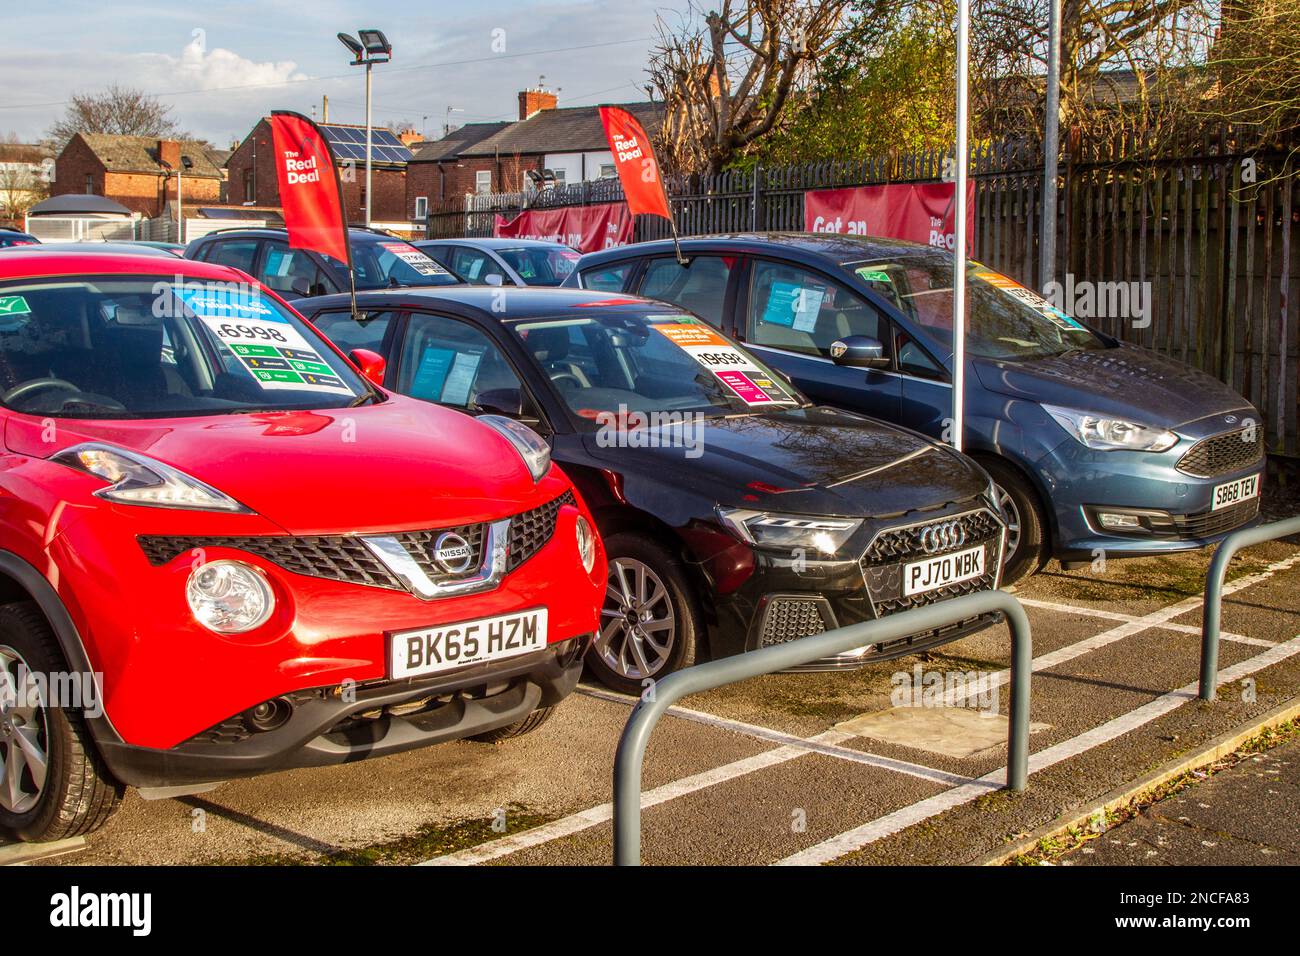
223, 63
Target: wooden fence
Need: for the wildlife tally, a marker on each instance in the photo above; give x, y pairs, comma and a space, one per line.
1210, 232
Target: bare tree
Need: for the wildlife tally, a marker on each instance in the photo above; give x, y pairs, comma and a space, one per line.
727, 75
1256, 65
118, 109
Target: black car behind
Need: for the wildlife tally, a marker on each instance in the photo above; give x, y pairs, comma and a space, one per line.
735, 513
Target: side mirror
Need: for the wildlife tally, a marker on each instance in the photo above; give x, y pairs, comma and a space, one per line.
859, 351
494, 280
371, 364
300, 287
502, 401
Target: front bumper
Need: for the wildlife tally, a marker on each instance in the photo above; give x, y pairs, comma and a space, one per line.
335, 725
788, 597
166, 681
1178, 507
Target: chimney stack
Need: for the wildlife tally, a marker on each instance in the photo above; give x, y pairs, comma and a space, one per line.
532, 102
169, 152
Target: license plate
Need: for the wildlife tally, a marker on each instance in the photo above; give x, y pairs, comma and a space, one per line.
1233, 492
447, 646
922, 576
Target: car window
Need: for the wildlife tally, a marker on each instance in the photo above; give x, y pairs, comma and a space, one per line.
451, 362
149, 347
393, 263
1004, 320
282, 267
348, 333
475, 266
607, 279
539, 265
239, 253
914, 360
608, 363
700, 287
800, 311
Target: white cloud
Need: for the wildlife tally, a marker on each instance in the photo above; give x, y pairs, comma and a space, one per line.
200, 68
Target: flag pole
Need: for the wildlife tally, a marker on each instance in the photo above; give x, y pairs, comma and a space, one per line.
959, 234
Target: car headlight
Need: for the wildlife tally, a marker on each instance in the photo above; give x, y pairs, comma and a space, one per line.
531, 446
1111, 434
586, 543
229, 597
136, 479
767, 529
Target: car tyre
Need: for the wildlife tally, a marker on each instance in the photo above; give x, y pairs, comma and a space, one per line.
649, 624
1027, 549
520, 727
76, 795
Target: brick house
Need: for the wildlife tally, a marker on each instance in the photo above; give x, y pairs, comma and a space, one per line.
252, 179
496, 157
137, 171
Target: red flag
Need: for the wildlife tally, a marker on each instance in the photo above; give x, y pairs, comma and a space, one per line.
309, 187
634, 158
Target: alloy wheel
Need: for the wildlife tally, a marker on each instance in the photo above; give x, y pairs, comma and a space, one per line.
638, 625
24, 735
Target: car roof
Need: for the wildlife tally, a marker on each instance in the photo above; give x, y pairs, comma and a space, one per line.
504, 304
807, 245
39, 263
489, 242
96, 248
237, 232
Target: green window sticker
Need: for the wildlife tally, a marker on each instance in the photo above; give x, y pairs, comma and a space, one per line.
14, 305
873, 275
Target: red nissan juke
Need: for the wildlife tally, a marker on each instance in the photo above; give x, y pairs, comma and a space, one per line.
224, 552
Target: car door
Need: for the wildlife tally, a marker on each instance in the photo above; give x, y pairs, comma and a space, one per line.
705, 286
790, 315
453, 362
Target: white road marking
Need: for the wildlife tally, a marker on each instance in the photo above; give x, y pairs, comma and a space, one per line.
828, 741
790, 740
891, 823
595, 816
1117, 616
1158, 618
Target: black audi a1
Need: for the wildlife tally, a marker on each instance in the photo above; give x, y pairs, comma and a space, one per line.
735, 513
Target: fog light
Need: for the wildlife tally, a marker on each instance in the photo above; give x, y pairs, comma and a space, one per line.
586, 543
1119, 522
229, 597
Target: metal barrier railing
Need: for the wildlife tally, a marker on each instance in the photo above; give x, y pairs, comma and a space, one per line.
1212, 606
768, 660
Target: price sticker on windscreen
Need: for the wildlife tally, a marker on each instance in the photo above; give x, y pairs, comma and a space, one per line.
1028, 297
275, 353
732, 367
414, 258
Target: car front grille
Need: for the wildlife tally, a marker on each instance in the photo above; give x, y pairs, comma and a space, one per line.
882, 564
346, 558
790, 618
1224, 454
1209, 523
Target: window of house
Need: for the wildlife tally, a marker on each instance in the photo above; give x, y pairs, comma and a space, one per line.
483, 181
90, 184
421, 207
248, 186
607, 171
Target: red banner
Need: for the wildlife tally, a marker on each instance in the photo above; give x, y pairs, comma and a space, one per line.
920, 212
634, 158
585, 228
309, 186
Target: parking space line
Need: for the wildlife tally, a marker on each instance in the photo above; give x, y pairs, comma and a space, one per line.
790, 740
595, 816
1117, 616
891, 823
1156, 618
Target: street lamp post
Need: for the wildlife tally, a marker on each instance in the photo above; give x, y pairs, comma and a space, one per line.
186, 163
373, 48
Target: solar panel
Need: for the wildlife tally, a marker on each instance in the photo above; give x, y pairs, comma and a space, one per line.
348, 142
